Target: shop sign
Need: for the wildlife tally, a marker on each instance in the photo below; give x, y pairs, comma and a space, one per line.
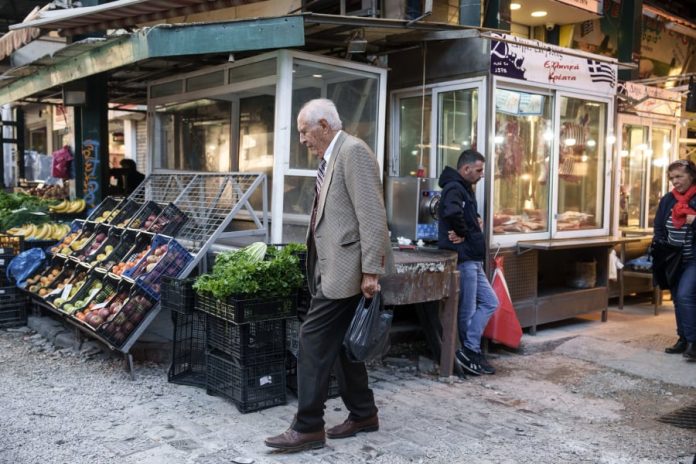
645, 99
92, 184
594, 6
539, 62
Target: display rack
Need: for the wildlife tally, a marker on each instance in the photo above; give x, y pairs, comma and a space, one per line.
211, 201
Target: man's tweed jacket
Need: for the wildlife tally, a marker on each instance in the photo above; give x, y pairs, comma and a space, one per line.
351, 235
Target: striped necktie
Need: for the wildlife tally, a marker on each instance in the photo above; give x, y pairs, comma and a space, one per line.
320, 176
317, 190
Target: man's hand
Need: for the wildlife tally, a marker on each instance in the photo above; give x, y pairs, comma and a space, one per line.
690, 218
454, 238
369, 285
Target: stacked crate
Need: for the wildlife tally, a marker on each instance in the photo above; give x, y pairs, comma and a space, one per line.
245, 350
13, 301
188, 344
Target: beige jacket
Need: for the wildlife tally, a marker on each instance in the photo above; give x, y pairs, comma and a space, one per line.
351, 236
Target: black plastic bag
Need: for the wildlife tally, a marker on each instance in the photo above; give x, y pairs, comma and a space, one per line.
367, 337
667, 264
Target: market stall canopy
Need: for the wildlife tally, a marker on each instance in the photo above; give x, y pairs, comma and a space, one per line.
133, 59
16, 39
121, 13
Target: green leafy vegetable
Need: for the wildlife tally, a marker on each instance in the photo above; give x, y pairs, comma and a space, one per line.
256, 270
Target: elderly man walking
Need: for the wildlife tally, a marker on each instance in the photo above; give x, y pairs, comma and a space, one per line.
348, 249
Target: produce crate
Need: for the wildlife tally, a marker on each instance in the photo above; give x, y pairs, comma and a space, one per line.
112, 240
66, 274
97, 288
149, 209
291, 378
75, 228
250, 388
242, 310
304, 298
99, 213
136, 253
124, 212
106, 304
78, 278
188, 350
45, 277
169, 221
292, 335
251, 343
11, 244
128, 318
14, 314
177, 295
120, 251
101, 232
170, 264
85, 232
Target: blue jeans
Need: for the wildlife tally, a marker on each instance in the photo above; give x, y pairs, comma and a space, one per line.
477, 303
684, 298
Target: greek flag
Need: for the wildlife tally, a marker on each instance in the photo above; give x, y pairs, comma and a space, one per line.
601, 72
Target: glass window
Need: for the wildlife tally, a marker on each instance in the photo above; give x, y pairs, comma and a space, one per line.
632, 191
256, 130
414, 134
357, 99
661, 148
581, 164
195, 136
251, 71
523, 138
166, 89
457, 125
205, 81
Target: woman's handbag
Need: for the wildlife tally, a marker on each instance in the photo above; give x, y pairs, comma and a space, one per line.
367, 337
667, 263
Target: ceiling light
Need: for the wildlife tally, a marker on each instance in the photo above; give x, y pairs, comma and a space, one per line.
515, 6
539, 14
318, 76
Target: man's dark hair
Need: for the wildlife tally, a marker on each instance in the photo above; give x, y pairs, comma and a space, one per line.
128, 163
469, 157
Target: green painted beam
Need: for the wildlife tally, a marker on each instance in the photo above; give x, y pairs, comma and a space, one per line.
159, 42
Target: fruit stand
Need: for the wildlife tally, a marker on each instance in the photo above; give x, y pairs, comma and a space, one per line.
104, 276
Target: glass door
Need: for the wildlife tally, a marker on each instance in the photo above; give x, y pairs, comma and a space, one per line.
661, 144
581, 206
632, 188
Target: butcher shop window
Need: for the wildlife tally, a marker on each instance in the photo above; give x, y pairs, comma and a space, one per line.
581, 164
523, 150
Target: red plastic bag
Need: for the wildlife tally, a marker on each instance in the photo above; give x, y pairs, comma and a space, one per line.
60, 165
503, 326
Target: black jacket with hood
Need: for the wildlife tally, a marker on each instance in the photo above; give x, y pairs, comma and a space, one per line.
458, 211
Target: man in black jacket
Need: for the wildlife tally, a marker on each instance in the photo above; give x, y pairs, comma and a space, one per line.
460, 229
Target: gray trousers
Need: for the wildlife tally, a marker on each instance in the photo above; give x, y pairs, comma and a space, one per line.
320, 350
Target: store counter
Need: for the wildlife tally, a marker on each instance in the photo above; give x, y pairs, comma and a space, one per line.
424, 275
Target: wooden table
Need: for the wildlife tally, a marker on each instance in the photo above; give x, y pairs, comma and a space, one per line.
424, 275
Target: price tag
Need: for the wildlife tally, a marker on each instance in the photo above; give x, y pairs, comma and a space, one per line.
93, 292
2, 291
66, 291
2, 251
2, 262
55, 292
101, 305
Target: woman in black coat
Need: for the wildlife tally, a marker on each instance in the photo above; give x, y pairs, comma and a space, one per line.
675, 225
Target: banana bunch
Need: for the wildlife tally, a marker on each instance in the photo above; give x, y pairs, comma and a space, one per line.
68, 206
46, 231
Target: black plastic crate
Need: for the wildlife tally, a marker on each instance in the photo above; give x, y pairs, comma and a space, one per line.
247, 310
123, 213
292, 335
10, 295
103, 211
188, 350
304, 298
252, 343
14, 315
291, 373
169, 221
177, 295
147, 212
250, 388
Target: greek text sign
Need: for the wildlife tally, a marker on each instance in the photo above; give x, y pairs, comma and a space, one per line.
539, 62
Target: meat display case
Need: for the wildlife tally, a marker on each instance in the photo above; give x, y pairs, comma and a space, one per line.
543, 116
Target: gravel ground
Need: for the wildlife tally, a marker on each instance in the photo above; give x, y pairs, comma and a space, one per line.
61, 406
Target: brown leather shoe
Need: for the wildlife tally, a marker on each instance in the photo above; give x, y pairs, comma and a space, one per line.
291, 440
350, 427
